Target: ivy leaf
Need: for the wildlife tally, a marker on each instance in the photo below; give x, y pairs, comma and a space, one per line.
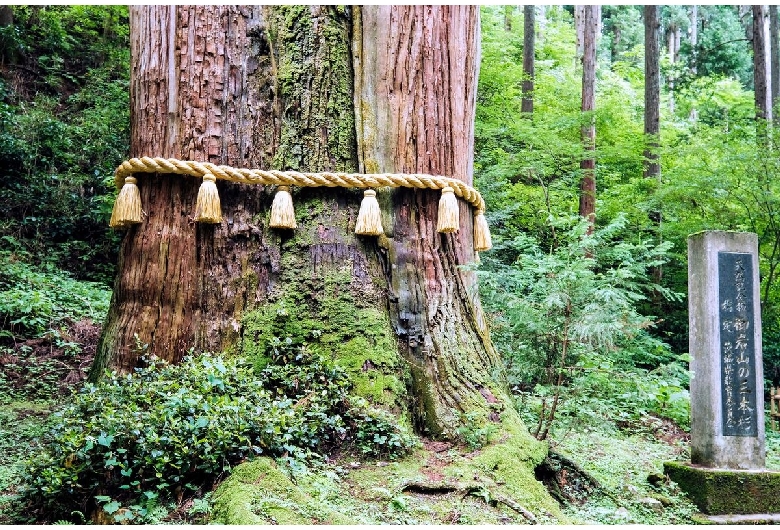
111, 507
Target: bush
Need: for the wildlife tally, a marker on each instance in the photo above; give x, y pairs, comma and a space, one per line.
33, 301
566, 319
165, 429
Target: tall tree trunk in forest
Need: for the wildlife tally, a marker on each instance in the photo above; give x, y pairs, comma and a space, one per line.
653, 113
6, 16
774, 62
673, 46
588, 131
7, 54
694, 115
694, 33
579, 30
309, 88
509, 10
652, 90
529, 38
760, 78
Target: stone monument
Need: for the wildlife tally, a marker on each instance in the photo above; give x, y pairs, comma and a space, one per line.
727, 380
727, 473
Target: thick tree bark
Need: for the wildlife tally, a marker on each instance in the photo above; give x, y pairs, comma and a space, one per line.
416, 87
529, 39
588, 132
652, 90
275, 87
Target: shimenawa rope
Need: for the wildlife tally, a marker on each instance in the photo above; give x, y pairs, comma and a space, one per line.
127, 209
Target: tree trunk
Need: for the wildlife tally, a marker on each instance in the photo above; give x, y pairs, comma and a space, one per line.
7, 53
508, 12
774, 62
579, 29
694, 115
6, 16
588, 132
287, 87
673, 48
760, 78
527, 106
652, 90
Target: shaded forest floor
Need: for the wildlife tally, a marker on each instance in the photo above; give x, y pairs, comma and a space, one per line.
606, 475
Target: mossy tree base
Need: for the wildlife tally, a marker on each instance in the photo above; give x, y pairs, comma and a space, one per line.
719, 491
437, 484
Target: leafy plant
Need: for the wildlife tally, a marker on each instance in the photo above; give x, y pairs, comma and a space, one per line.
572, 308
34, 301
474, 431
136, 438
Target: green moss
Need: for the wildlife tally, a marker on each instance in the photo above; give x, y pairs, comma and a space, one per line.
333, 321
716, 491
258, 492
508, 465
317, 129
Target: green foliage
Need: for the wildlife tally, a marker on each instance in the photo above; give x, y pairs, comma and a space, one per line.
132, 440
62, 133
567, 322
623, 31
33, 301
622, 464
475, 431
723, 48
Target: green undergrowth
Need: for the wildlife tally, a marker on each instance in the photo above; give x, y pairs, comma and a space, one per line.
22, 424
36, 299
628, 466
123, 448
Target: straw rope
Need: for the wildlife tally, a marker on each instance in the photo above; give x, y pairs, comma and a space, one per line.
294, 178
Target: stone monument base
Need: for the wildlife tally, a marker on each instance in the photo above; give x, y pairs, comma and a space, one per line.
727, 491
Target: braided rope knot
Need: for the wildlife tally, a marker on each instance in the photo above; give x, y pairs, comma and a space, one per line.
282, 216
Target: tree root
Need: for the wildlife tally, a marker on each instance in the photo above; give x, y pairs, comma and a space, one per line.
474, 489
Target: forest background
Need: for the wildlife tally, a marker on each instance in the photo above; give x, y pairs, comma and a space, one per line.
589, 314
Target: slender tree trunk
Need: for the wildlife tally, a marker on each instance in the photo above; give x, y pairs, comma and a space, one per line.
529, 38
7, 55
774, 62
508, 12
579, 29
653, 113
674, 52
588, 131
760, 78
652, 90
694, 32
694, 115
310, 88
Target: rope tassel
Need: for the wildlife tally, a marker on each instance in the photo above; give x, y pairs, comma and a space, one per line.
449, 215
127, 207
207, 208
282, 211
369, 220
482, 239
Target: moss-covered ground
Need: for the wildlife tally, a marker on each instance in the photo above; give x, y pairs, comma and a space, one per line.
437, 484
